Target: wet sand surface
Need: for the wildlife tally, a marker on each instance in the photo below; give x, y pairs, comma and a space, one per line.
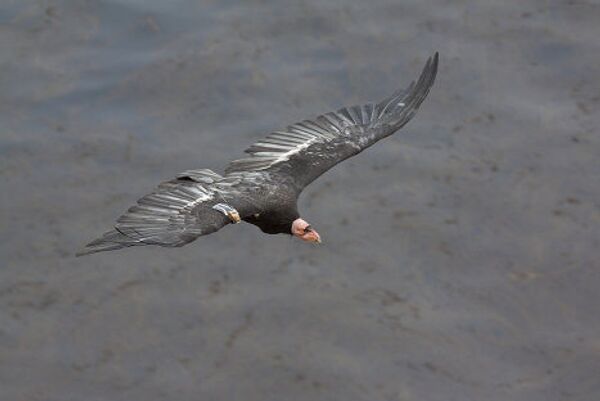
460, 256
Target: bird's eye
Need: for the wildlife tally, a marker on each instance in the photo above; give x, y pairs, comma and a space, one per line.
307, 229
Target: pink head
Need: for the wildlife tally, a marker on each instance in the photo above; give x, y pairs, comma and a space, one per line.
304, 231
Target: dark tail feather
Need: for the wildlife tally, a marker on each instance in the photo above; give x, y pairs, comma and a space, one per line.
110, 241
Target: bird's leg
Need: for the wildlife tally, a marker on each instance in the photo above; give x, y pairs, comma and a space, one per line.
228, 211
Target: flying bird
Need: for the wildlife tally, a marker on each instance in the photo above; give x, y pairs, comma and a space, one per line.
263, 187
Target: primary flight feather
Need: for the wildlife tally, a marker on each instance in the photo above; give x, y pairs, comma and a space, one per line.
263, 188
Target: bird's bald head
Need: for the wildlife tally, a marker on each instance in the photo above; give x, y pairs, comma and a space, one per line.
305, 232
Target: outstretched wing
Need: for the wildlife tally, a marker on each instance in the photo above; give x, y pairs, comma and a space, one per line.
307, 149
175, 213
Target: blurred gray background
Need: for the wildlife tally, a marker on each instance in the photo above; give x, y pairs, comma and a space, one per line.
460, 256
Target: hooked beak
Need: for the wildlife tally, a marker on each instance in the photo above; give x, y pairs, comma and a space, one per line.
312, 236
304, 231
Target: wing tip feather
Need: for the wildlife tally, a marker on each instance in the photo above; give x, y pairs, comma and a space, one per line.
110, 241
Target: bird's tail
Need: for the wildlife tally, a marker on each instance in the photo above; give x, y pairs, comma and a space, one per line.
109, 241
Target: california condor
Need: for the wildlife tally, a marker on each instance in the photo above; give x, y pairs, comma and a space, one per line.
263, 188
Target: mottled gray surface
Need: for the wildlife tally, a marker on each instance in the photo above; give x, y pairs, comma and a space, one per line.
461, 256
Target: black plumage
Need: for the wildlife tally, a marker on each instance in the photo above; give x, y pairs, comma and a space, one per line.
263, 188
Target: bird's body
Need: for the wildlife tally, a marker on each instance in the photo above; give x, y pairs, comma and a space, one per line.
263, 188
